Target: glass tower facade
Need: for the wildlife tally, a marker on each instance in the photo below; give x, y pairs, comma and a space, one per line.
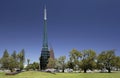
45, 54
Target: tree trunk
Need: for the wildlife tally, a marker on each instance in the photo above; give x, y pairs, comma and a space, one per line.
11, 70
85, 70
109, 70
63, 70
117, 69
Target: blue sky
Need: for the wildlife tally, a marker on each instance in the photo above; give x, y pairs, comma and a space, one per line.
80, 24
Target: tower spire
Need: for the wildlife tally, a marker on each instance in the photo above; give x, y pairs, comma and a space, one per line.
45, 13
45, 39
45, 52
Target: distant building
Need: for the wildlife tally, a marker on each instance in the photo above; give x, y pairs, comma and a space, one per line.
45, 53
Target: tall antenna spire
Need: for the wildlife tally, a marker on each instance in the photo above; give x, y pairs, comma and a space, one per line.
45, 13
45, 40
45, 51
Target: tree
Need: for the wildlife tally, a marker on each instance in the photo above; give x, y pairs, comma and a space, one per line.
106, 59
33, 66
28, 61
0, 63
23, 56
70, 64
5, 59
14, 55
57, 64
21, 59
75, 56
88, 60
61, 61
9, 62
28, 64
117, 62
51, 63
12, 63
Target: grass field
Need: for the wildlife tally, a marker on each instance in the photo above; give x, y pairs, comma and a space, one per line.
32, 74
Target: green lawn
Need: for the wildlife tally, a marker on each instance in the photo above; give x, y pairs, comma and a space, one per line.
32, 74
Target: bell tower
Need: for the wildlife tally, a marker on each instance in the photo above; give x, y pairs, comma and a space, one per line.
45, 54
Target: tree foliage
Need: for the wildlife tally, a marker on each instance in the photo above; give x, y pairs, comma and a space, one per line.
14, 55
51, 63
33, 66
106, 59
88, 60
5, 60
78, 60
117, 62
74, 59
61, 62
12, 61
21, 59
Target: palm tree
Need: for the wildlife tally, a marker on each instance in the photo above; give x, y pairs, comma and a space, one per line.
28, 61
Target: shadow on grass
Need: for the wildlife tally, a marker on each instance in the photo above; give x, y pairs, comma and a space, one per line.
51, 72
12, 73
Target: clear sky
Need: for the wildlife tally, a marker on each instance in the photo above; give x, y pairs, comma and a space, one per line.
80, 24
